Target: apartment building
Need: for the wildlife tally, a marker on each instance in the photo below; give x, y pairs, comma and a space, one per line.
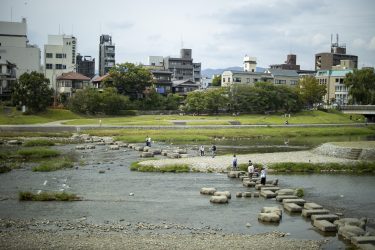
86, 65
59, 56
16, 49
7, 79
107, 54
231, 77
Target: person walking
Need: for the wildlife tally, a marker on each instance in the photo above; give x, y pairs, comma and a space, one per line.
201, 149
234, 162
263, 174
213, 149
250, 169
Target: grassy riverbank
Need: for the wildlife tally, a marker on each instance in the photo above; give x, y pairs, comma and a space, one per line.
48, 196
332, 168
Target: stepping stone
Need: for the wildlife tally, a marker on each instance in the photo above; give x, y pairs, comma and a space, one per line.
292, 207
146, 154
246, 194
248, 184
219, 199
296, 201
267, 194
348, 232
208, 190
312, 205
259, 186
114, 147
225, 193
282, 197
308, 212
238, 194
363, 240
273, 189
329, 217
269, 217
285, 191
256, 194
325, 226
276, 210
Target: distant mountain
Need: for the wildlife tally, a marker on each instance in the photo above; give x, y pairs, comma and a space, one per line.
210, 72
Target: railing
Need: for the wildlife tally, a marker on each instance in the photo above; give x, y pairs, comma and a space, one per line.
357, 107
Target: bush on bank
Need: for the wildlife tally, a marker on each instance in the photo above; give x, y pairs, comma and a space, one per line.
47, 196
364, 167
176, 168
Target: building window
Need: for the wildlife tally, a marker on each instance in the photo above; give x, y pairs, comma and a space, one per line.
223, 79
49, 66
49, 55
248, 80
60, 55
60, 66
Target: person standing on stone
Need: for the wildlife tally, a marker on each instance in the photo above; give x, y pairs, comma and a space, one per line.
234, 162
250, 169
213, 151
201, 149
263, 174
149, 141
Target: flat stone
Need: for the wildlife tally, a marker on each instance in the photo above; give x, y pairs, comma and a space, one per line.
248, 184
269, 217
363, 240
155, 151
308, 212
273, 189
292, 207
173, 155
246, 194
225, 193
114, 147
255, 194
325, 226
238, 194
282, 197
219, 199
352, 222
90, 146
80, 147
138, 148
235, 174
329, 217
348, 232
180, 151
146, 149
276, 210
267, 194
366, 246
312, 205
147, 154
285, 191
296, 201
208, 190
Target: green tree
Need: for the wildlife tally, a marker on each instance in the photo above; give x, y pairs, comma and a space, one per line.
361, 85
86, 101
195, 102
215, 100
129, 79
216, 81
33, 91
112, 102
310, 90
172, 101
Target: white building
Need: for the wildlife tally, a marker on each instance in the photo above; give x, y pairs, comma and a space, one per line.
59, 56
240, 77
249, 64
15, 47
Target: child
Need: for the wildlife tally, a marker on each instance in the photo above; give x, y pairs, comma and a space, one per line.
234, 162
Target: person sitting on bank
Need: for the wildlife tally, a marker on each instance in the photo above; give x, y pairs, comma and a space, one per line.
250, 169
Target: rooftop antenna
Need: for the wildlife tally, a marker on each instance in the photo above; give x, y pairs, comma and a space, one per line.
331, 38
337, 39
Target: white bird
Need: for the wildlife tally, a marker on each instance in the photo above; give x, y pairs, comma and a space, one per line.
45, 183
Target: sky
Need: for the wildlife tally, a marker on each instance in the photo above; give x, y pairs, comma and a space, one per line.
220, 32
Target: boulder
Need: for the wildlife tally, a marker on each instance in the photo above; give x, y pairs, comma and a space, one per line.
352, 222
114, 147
100, 143
235, 174
308, 212
122, 144
285, 191
138, 148
312, 205
267, 194
275, 210
292, 207
348, 231
80, 147
269, 217
325, 226
225, 193
208, 190
146, 154
221, 199
300, 202
282, 197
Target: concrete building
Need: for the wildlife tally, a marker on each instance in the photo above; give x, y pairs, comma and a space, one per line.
231, 77
107, 54
249, 64
326, 60
337, 92
7, 79
182, 87
59, 56
290, 63
163, 81
182, 68
85, 65
15, 47
69, 83
284, 76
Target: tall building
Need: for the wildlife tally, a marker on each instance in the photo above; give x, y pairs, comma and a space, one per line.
249, 64
326, 60
86, 65
59, 56
15, 47
290, 63
106, 54
7, 79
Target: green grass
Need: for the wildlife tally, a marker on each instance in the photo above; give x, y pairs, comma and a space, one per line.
355, 168
192, 134
47, 196
17, 134
53, 165
36, 152
176, 168
38, 143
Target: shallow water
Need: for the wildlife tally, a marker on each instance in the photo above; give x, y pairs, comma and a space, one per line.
174, 198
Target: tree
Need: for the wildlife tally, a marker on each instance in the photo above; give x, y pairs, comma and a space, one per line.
216, 81
86, 101
33, 91
112, 102
361, 85
129, 79
172, 101
215, 100
310, 90
195, 102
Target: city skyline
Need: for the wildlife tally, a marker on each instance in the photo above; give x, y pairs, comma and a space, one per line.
219, 32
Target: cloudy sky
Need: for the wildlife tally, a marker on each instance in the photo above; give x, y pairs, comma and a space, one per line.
220, 32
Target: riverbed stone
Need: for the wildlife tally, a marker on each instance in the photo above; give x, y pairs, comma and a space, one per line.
363, 240
155, 151
352, 222
308, 212
248, 184
80, 147
147, 154
146, 149
100, 143
300, 202
325, 226
273, 189
220, 199
276, 210
348, 231
282, 197
329, 217
312, 205
14, 142
173, 155
259, 186
208, 190
235, 174
90, 146
138, 148
225, 193
239, 194
267, 194
292, 207
246, 194
285, 191
114, 147
180, 151
269, 217
255, 194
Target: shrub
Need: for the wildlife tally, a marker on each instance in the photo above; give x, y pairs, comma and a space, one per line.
53, 166
135, 166
38, 153
48, 196
299, 192
4, 169
39, 142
